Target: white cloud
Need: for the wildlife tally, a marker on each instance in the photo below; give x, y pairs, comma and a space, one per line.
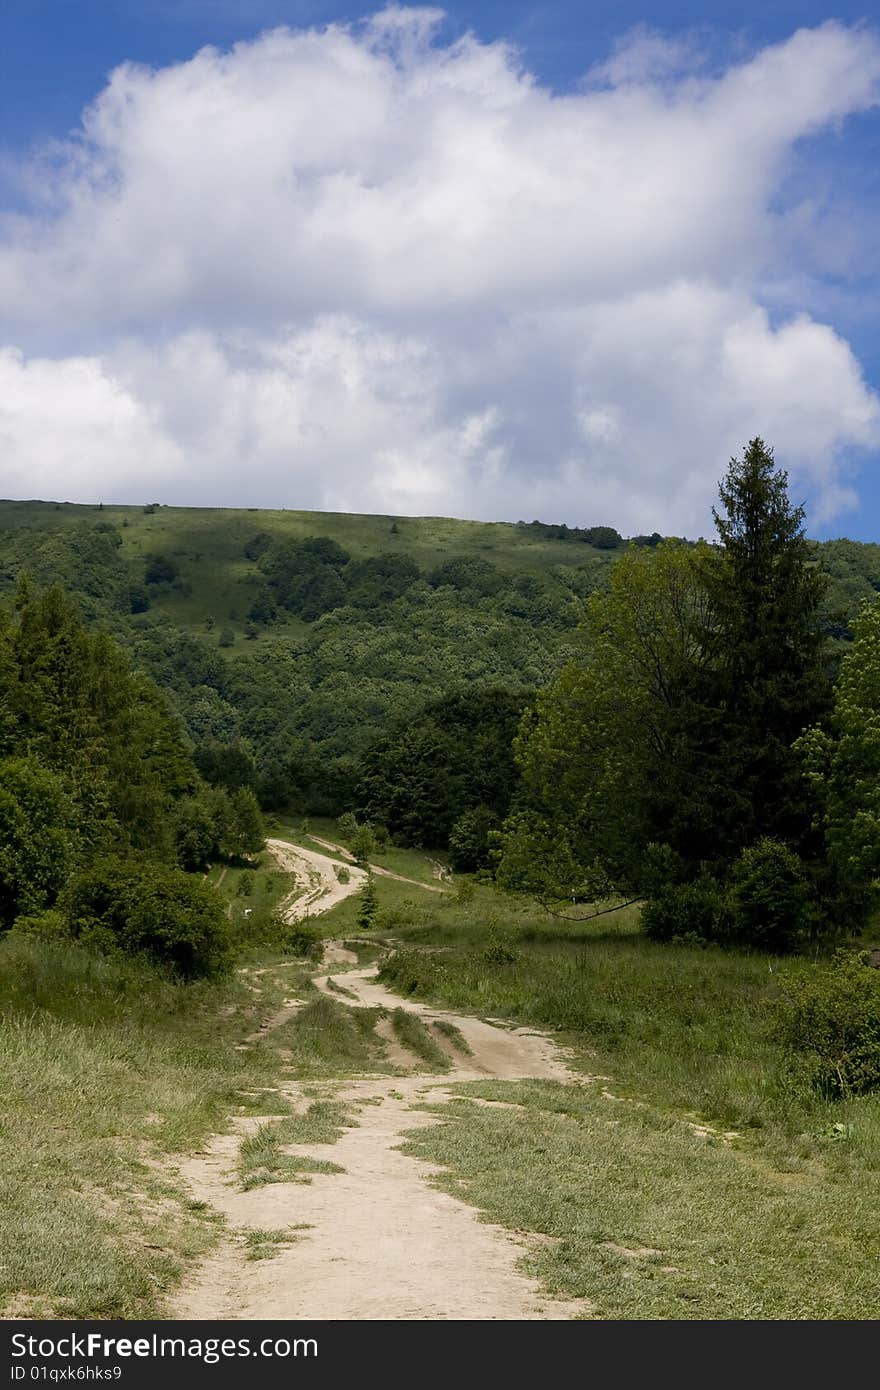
357, 268
71, 429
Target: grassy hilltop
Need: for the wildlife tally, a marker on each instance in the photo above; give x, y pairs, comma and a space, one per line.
217, 578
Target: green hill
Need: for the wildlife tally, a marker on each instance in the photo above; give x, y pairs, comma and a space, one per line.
300, 639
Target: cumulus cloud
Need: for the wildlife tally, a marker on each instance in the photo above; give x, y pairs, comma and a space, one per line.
358, 268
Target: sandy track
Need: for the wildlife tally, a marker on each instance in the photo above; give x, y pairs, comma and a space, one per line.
504, 1054
381, 1243
323, 889
384, 873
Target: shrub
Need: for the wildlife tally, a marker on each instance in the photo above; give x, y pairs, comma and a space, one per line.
363, 844
150, 910
138, 597
499, 951
245, 885
686, 911
342, 874
770, 897
160, 568
830, 1025
369, 904
299, 939
44, 926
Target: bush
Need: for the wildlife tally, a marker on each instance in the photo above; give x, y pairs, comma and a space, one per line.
164, 914
44, 926
138, 598
830, 1026
363, 844
299, 939
499, 951
770, 897
160, 568
686, 911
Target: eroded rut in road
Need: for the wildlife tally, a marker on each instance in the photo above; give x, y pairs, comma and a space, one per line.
376, 1241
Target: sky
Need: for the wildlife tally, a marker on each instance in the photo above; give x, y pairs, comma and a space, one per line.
501, 260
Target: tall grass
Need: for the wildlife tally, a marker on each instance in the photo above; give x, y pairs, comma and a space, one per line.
108, 1067
694, 1029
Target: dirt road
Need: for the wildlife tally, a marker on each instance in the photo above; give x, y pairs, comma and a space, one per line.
318, 874
439, 871
376, 1241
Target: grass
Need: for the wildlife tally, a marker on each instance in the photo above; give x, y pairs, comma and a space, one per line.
690, 1028
340, 989
646, 1219
266, 1244
412, 1032
109, 1071
694, 1177
454, 1035
269, 886
327, 1039
322, 1123
262, 1160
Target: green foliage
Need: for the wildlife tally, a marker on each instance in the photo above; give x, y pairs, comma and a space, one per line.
138, 598
765, 902
161, 569
363, 844
770, 897
196, 832
379, 580
305, 575
72, 703
49, 926
36, 837
700, 668
830, 1024
216, 823
453, 757
597, 754
469, 839
842, 763
768, 675
300, 939
686, 912
163, 914
227, 765
368, 905
469, 574
602, 537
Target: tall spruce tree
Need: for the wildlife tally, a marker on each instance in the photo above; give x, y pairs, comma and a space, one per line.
767, 678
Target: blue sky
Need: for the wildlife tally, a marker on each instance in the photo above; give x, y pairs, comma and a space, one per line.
402, 358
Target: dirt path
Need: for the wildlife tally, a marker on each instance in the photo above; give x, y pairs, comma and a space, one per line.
438, 869
317, 871
377, 1241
